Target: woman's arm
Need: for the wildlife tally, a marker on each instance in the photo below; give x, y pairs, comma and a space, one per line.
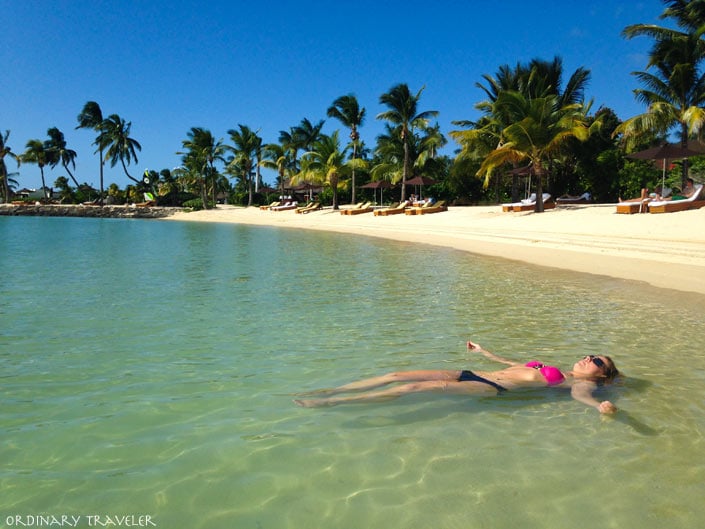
476, 347
582, 392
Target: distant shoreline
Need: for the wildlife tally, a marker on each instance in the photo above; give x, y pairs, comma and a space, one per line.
664, 251
80, 210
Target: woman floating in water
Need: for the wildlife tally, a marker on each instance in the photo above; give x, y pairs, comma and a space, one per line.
583, 380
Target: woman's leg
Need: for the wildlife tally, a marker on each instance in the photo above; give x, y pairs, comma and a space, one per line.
439, 386
391, 378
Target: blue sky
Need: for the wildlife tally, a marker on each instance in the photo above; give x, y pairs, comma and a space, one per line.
167, 66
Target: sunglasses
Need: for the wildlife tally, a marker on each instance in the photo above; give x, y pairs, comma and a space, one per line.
597, 361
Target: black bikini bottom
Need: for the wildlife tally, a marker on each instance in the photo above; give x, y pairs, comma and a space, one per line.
469, 376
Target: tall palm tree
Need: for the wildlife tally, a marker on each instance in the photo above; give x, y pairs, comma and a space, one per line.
326, 163
403, 112
307, 134
291, 145
60, 153
674, 93
246, 145
115, 138
91, 117
346, 109
202, 151
35, 152
539, 127
6, 151
276, 157
536, 79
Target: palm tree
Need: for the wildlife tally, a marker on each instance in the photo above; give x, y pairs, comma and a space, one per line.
200, 157
115, 138
539, 127
59, 153
675, 93
346, 109
326, 163
306, 134
536, 79
35, 152
6, 150
276, 156
403, 112
246, 145
91, 117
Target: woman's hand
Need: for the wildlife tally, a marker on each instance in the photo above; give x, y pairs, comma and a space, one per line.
474, 347
606, 407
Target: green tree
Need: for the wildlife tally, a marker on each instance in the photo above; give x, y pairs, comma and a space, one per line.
91, 117
538, 78
403, 112
246, 146
115, 138
346, 109
6, 151
326, 164
202, 151
539, 128
35, 152
674, 84
276, 157
59, 152
307, 134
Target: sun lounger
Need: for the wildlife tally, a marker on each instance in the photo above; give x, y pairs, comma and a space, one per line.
396, 210
284, 207
364, 207
428, 208
629, 208
585, 198
510, 206
548, 203
272, 205
669, 206
310, 207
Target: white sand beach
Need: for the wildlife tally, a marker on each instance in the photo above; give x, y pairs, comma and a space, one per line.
663, 250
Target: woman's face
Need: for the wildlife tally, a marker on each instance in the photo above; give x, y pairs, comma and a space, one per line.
588, 366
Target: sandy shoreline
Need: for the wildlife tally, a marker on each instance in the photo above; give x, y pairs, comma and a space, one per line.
663, 250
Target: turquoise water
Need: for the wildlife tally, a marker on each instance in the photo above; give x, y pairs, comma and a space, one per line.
148, 369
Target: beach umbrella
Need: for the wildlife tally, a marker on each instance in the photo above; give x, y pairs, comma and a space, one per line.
421, 181
381, 185
663, 154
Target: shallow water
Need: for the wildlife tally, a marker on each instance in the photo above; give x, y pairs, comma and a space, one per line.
149, 367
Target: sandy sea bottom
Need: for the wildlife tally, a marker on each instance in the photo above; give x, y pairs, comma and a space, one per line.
149, 369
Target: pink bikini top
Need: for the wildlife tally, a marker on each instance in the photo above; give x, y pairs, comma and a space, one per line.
552, 374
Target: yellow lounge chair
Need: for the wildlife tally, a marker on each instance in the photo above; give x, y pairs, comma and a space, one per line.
427, 208
273, 204
434, 208
313, 206
364, 207
396, 210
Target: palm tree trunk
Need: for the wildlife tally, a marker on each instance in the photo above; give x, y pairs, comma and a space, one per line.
684, 144
352, 201
124, 168
70, 174
5, 187
405, 169
101, 176
539, 187
334, 185
44, 186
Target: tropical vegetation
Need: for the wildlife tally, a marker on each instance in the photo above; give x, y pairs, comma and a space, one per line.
535, 132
